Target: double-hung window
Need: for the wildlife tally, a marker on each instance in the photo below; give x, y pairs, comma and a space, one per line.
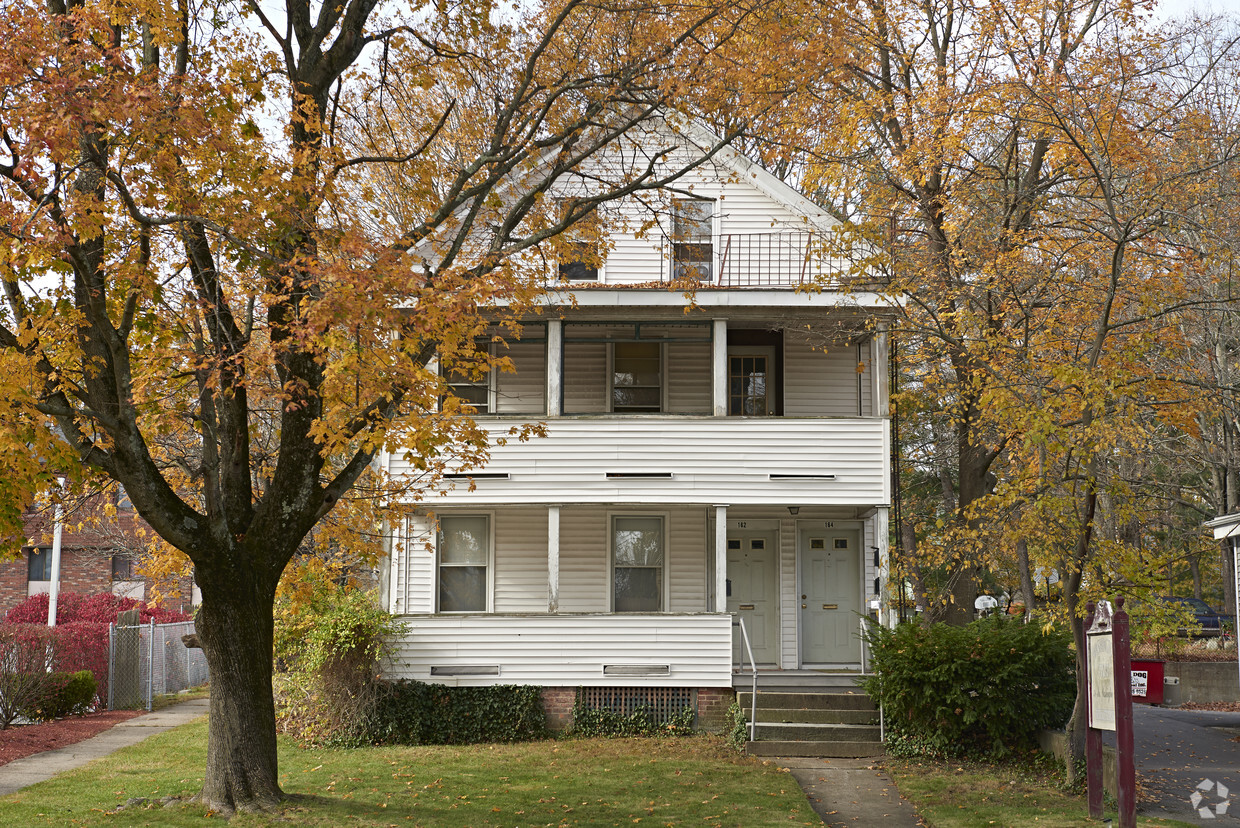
692, 232
637, 548
464, 543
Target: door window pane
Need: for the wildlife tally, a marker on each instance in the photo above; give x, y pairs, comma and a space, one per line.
747, 386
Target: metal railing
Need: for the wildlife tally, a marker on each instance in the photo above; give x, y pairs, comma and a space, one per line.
753, 669
150, 660
764, 260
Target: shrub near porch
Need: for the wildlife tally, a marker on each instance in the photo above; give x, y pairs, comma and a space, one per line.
983, 689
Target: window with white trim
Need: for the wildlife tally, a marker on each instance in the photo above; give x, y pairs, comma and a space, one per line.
692, 232
637, 548
464, 544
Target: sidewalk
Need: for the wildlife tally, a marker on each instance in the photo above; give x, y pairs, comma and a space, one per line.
20, 773
852, 793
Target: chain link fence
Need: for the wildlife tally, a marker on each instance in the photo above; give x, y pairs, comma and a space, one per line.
150, 660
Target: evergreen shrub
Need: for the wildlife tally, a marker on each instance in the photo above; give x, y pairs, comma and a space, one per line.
983, 689
416, 713
64, 695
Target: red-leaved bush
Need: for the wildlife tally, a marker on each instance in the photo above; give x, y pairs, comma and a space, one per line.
100, 608
31, 653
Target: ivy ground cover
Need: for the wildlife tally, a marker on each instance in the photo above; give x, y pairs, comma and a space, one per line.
587, 782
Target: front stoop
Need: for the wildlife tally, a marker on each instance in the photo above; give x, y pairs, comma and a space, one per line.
835, 724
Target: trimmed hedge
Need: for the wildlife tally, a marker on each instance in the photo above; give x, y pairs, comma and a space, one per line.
986, 688
415, 713
66, 694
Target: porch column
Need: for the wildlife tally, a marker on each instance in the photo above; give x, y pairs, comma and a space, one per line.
884, 566
555, 366
721, 559
879, 354
719, 367
553, 559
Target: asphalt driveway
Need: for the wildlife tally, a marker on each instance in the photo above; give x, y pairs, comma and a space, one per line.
1183, 752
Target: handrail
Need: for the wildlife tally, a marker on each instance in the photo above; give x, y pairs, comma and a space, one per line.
753, 668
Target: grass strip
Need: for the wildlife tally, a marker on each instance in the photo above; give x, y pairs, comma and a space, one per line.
981, 795
589, 782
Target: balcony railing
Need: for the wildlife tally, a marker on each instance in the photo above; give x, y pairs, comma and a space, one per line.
765, 260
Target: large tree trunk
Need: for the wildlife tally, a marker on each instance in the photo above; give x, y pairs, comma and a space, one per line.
1078, 725
235, 627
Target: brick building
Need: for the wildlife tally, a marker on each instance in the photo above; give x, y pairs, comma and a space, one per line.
99, 551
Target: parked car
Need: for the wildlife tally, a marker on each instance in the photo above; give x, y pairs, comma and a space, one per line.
1212, 623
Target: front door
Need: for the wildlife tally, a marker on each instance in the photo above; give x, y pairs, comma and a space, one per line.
753, 570
829, 591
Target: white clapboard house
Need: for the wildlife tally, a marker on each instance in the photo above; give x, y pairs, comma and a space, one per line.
700, 468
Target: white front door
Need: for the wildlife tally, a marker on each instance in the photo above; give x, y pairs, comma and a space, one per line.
829, 595
753, 584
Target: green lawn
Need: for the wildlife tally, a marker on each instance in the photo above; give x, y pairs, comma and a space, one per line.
652, 782
979, 795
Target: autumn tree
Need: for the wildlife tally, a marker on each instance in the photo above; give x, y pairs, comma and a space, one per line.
203, 303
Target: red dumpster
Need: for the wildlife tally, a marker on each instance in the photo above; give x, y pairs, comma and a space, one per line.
1147, 680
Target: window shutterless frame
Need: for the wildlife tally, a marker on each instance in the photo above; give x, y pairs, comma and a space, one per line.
465, 562
638, 565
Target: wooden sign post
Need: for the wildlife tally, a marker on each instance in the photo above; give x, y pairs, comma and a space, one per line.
1108, 680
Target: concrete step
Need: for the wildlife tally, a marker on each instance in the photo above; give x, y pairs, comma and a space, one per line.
844, 700
788, 680
815, 732
777, 715
823, 749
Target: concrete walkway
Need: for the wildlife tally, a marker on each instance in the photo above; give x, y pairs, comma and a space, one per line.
851, 793
20, 773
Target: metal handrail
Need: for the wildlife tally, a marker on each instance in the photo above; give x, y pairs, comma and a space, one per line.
753, 668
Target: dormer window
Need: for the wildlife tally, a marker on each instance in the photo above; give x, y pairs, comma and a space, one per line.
692, 230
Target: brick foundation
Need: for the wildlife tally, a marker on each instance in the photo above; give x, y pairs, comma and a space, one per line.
712, 705
712, 708
558, 704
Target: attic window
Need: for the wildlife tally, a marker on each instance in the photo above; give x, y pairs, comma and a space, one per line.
801, 476
692, 229
477, 476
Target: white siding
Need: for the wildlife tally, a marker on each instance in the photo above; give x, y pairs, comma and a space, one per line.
710, 459
820, 383
688, 378
524, 391
414, 587
585, 377
686, 559
567, 649
583, 561
789, 601
520, 561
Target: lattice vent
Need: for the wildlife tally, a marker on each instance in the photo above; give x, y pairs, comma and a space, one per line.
662, 702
